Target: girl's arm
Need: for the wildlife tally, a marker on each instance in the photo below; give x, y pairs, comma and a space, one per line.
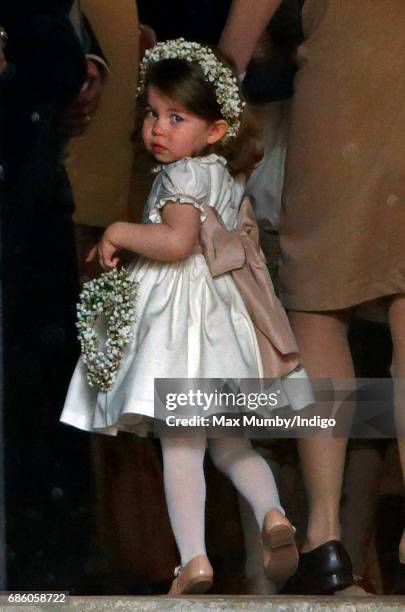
246, 22
171, 240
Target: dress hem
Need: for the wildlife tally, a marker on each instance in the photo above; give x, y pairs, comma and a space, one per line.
300, 306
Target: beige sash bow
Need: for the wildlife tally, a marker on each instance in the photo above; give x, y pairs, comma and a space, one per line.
239, 252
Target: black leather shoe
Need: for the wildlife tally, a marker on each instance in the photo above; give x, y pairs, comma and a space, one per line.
321, 571
399, 588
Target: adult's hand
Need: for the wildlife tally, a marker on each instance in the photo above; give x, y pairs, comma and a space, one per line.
77, 116
245, 25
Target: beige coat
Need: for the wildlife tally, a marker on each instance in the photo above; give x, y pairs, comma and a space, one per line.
343, 218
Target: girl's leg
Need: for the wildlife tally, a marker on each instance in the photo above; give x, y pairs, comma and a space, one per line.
248, 471
184, 482
322, 339
396, 313
253, 479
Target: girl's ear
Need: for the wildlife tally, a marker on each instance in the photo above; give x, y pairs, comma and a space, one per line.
216, 131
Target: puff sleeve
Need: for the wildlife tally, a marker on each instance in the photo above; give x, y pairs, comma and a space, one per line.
185, 181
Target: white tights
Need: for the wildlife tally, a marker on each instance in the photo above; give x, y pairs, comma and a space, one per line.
184, 481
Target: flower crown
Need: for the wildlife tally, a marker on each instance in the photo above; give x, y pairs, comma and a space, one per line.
215, 72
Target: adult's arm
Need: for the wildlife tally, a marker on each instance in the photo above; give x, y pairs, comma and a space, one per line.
246, 22
91, 45
78, 114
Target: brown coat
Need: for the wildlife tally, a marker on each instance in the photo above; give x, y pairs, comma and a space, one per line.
342, 226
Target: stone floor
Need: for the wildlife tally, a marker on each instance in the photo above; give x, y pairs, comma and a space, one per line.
213, 603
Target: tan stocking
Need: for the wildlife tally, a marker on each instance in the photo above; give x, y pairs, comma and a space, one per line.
322, 339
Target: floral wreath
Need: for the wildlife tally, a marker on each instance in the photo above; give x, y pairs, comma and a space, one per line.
112, 295
215, 72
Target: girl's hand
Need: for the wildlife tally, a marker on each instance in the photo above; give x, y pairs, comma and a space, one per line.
106, 250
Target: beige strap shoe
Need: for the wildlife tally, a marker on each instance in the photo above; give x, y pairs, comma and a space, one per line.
280, 554
195, 577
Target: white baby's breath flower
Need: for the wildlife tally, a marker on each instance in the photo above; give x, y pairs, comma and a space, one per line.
113, 295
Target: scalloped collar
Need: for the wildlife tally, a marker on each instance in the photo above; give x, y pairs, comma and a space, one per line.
213, 158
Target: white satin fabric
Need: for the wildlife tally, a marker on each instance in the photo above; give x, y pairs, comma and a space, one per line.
188, 324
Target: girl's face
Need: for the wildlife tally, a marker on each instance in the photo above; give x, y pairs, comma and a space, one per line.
171, 132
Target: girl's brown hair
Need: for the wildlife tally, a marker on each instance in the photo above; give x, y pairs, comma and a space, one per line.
184, 82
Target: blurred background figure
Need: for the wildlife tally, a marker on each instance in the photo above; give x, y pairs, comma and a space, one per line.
50, 91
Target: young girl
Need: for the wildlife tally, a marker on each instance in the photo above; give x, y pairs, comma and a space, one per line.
188, 324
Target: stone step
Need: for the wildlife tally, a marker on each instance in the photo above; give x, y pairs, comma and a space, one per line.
215, 602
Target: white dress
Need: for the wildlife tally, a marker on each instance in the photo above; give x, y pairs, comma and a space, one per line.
188, 324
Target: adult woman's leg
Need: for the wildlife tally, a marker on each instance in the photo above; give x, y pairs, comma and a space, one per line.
322, 339
324, 565
396, 312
